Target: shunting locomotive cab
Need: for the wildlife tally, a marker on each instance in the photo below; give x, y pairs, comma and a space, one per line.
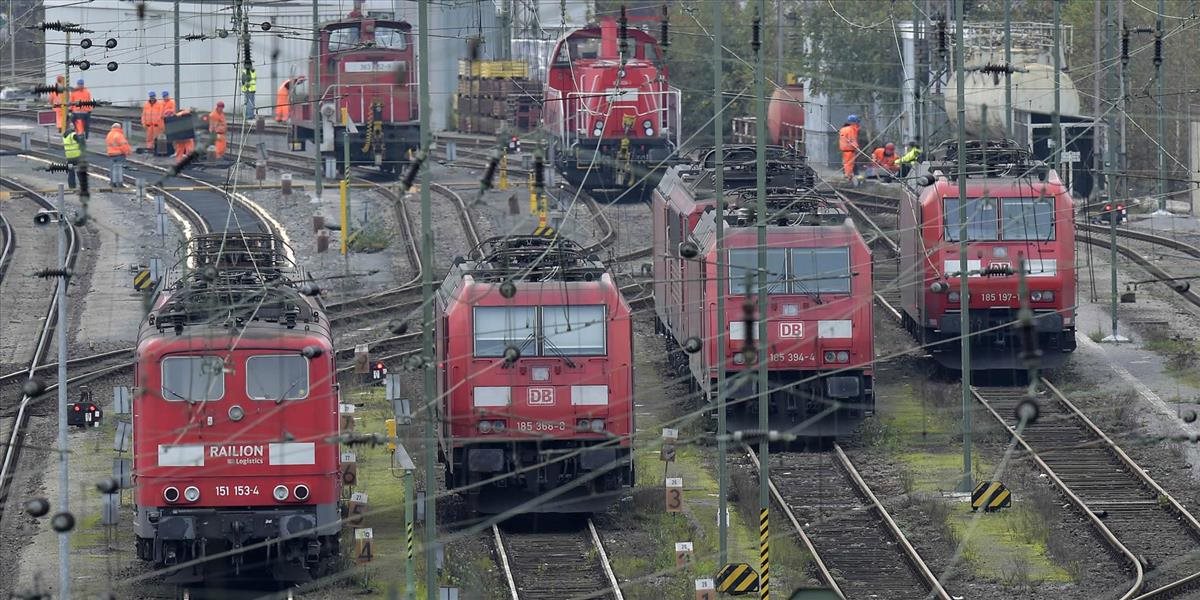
368, 87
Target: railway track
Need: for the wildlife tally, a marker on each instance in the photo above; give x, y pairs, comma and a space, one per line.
555, 566
15, 437
1157, 538
10, 242
857, 548
1154, 536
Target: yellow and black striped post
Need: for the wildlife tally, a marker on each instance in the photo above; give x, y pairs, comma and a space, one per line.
533, 195
764, 554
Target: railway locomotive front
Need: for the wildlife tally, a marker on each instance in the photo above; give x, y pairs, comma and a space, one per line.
1018, 211
367, 73
236, 464
535, 350
819, 321
610, 111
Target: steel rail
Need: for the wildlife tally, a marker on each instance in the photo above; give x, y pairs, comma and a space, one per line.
10, 242
16, 438
823, 572
503, 557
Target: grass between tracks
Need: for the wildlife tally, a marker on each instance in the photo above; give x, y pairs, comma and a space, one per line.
653, 573
918, 427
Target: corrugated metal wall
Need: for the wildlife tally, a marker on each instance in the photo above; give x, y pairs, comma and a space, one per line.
145, 49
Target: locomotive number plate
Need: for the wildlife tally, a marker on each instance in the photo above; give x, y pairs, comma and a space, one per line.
541, 425
998, 297
237, 490
792, 357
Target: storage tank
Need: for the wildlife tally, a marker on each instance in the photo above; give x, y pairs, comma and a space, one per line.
785, 115
1032, 85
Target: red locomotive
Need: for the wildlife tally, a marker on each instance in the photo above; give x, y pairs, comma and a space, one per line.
535, 350
368, 73
820, 330
1016, 210
610, 110
235, 420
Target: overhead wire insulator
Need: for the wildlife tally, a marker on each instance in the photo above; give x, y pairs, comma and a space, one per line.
756, 33
664, 40
623, 32
941, 36
192, 37
49, 89
58, 168
1125, 46
539, 175
52, 273
1158, 48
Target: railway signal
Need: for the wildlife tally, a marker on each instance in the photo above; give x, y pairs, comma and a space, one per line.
84, 415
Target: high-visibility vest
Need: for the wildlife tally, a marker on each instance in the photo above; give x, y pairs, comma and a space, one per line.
116, 144
71, 146
249, 80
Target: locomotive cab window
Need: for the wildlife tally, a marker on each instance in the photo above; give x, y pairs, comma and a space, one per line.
283, 377
343, 38
497, 327
1028, 218
982, 219
573, 330
389, 36
193, 378
743, 263
820, 270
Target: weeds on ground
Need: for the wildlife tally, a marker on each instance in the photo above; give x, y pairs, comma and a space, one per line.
371, 237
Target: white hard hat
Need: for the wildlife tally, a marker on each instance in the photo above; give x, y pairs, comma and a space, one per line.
116, 126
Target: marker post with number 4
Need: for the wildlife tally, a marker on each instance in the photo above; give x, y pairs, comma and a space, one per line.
674, 494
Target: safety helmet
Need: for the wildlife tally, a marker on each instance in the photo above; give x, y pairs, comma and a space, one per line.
852, 119
166, 94
116, 126
889, 146
79, 82
152, 94
220, 104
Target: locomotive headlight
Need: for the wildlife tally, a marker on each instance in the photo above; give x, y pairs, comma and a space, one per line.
597, 425
739, 358
301, 492
830, 356
191, 494
649, 132
280, 493
485, 427
939, 287
953, 296
1042, 296
171, 494
498, 426
647, 124
843, 356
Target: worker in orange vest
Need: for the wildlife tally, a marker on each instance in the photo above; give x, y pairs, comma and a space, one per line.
217, 127
152, 120
848, 144
168, 101
885, 160
56, 102
81, 107
283, 99
117, 149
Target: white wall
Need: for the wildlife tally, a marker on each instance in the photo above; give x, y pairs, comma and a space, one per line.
145, 48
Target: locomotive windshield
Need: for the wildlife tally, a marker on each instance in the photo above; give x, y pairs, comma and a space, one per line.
793, 270
193, 378
283, 377
991, 219
543, 331
344, 37
1027, 218
390, 36
981, 219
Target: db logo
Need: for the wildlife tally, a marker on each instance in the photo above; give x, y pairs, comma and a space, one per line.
791, 330
999, 266
541, 396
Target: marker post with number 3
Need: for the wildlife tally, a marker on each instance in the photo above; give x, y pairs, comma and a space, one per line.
674, 494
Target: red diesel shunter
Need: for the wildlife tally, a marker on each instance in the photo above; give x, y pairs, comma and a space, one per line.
235, 420
368, 73
535, 351
819, 345
610, 110
1017, 209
